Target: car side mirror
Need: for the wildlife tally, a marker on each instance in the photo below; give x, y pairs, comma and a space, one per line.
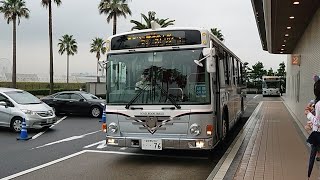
2, 103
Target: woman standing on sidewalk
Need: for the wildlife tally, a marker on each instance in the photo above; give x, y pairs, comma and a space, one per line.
315, 121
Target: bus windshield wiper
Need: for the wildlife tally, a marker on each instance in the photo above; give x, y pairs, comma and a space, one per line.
174, 102
136, 96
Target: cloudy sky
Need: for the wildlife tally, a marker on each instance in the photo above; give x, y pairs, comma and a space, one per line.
81, 19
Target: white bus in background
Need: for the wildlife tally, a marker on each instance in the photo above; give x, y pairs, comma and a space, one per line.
171, 88
271, 85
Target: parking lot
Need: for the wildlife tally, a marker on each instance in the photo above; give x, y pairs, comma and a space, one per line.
75, 147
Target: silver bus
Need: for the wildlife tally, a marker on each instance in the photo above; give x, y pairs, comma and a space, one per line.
171, 88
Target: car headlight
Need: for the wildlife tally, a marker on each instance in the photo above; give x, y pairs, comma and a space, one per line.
195, 129
26, 111
113, 127
50, 112
103, 104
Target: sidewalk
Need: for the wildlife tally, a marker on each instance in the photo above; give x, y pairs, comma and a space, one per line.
273, 147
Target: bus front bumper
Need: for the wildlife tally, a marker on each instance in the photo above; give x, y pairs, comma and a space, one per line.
167, 143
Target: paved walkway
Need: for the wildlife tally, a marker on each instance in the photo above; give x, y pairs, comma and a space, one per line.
273, 148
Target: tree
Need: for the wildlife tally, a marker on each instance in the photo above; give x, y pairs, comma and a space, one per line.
256, 73
270, 72
48, 4
245, 70
69, 45
281, 70
113, 9
14, 10
151, 17
98, 47
217, 33
282, 73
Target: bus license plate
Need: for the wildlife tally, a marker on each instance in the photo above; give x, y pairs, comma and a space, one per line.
151, 144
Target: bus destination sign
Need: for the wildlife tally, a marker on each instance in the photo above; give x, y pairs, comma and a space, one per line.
156, 39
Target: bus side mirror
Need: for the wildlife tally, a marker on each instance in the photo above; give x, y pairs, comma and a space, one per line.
211, 63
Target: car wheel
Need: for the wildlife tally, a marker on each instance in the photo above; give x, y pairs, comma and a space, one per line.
95, 111
16, 124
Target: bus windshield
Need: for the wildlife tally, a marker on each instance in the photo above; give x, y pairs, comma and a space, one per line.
163, 77
271, 84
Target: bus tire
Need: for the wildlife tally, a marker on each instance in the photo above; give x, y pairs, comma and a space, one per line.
225, 124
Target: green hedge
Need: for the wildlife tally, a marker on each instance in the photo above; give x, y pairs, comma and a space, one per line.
43, 85
40, 88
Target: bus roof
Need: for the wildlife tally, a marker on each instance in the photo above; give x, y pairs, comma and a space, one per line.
177, 28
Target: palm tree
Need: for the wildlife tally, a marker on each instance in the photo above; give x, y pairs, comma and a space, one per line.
98, 47
13, 10
69, 45
151, 17
114, 9
217, 33
47, 4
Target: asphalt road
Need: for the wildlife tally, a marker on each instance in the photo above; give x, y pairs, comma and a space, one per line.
76, 134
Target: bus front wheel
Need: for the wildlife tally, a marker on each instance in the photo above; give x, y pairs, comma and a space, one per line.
225, 126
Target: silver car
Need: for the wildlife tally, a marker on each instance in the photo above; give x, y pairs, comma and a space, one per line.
16, 105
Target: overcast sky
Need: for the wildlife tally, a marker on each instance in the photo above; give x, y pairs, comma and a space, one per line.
81, 19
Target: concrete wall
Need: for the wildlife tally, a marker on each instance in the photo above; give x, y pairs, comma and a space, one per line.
299, 87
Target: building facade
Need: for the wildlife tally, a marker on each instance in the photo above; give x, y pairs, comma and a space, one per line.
292, 27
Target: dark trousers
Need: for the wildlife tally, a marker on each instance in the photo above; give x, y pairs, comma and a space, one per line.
313, 154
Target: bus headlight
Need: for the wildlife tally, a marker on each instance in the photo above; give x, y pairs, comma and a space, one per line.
195, 129
113, 127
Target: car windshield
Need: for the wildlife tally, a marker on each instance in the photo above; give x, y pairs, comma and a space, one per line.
163, 77
89, 96
23, 97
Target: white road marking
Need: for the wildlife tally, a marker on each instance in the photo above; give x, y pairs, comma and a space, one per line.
94, 144
58, 121
231, 152
102, 145
255, 96
42, 166
66, 139
123, 148
39, 134
82, 152
141, 154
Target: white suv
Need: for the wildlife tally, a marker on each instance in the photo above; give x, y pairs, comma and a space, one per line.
17, 104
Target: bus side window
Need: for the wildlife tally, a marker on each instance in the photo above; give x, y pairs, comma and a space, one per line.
222, 73
241, 74
234, 70
226, 68
237, 71
231, 69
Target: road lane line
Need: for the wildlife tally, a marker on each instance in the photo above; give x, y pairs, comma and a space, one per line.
58, 121
39, 134
102, 145
66, 139
85, 151
94, 144
224, 163
42, 166
141, 154
255, 96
